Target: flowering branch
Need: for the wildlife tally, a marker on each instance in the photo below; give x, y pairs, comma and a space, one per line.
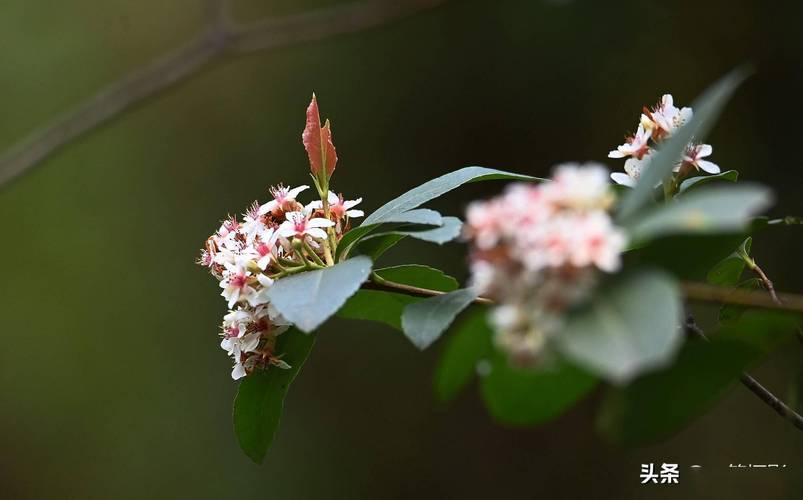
754, 386
219, 40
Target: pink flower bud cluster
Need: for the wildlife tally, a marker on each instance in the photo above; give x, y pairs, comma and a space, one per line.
656, 125
538, 248
273, 240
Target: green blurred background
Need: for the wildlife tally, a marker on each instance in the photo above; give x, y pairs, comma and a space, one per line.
112, 381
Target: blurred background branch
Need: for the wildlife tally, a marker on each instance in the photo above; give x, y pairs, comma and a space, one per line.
219, 40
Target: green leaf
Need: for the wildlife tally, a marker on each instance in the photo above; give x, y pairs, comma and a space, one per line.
729, 270
387, 307
377, 305
447, 232
420, 276
437, 187
526, 397
308, 299
701, 180
260, 397
422, 216
374, 246
659, 404
423, 322
707, 108
465, 347
717, 209
631, 325
686, 256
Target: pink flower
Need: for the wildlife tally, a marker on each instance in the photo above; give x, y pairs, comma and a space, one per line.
299, 224
235, 283
597, 242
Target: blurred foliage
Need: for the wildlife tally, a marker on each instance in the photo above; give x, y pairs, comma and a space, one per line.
112, 377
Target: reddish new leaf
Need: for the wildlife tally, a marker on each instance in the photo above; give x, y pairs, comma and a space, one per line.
318, 142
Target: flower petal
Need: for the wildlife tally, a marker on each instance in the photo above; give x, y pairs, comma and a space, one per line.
623, 179
710, 167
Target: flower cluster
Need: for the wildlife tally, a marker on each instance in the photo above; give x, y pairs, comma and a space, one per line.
537, 249
656, 125
273, 240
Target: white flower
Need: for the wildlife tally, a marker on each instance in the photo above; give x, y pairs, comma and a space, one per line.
235, 283
665, 118
281, 197
636, 145
253, 224
236, 347
299, 224
633, 170
338, 207
579, 186
694, 156
260, 297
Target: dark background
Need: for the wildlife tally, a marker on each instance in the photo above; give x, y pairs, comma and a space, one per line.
112, 381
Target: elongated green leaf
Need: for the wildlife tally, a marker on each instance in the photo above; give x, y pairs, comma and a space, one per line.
260, 397
729, 270
437, 187
702, 180
659, 404
631, 325
707, 108
420, 216
720, 209
374, 246
420, 276
377, 305
423, 322
423, 216
465, 347
387, 307
308, 299
703, 251
447, 232
526, 397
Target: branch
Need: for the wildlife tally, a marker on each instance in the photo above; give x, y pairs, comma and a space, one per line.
748, 381
693, 291
754, 386
771, 290
751, 298
413, 291
220, 39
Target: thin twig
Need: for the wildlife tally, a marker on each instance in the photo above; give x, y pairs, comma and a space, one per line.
766, 281
413, 291
220, 39
751, 298
771, 290
754, 386
693, 291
